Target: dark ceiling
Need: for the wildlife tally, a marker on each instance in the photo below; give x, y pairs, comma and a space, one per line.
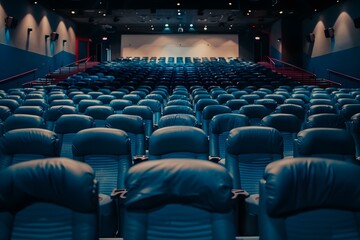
211, 16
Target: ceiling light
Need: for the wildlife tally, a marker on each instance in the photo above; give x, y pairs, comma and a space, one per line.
230, 3
178, 4
249, 10
152, 29
179, 13
257, 38
315, 10
248, 14
191, 25
205, 28
104, 14
281, 12
166, 25
104, 38
72, 12
35, 2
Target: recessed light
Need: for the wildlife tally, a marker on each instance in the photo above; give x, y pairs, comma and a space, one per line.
166, 25
178, 4
230, 3
104, 14
315, 10
179, 13
257, 38
205, 28
35, 2
281, 12
191, 25
72, 12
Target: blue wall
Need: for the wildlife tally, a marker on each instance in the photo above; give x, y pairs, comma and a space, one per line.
340, 53
15, 61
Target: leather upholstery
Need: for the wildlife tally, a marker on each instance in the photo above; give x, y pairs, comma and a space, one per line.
178, 120
325, 142
178, 141
50, 198
310, 198
327, 120
209, 112
17, 121
196, 206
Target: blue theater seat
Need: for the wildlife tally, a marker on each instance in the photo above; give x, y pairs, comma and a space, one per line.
209, 112
145, 113
54, 112
27, 144
134, 128
288, 125
198, 204
108, 152
219, 129
155, 106
30, 110
66, 128
119, 104
330, 143
53, 198
310, 198
325, 120
179, 119
178, 142
255, 112
18, 121
248, 151
99, 114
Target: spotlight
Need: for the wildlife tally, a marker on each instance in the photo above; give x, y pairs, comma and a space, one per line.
257, 38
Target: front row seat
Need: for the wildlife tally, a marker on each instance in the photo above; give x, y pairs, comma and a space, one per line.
310, 198
198, 205
54, 198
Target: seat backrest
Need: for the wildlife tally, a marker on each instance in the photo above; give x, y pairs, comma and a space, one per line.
255, 112
30, 110
348, 110
178, 142
66, 102
294, 109
133, 126
236, 104
54, 112
178, 109
271, 104
10, 103
325, 120
99, 114
85, 103
134, 98
219, 128
119, 104
18, 121
67, 126
177, 119
145, 113
330, 143
310, 198
201, 104
27, 144
4, 113
209, 112
106, 98
288, 125
248, 151
199, 200
155, 106
53, 198
108, 152
321, 108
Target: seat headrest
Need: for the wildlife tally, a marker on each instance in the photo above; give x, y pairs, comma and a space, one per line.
97, 141
325, 120
317, 109
178, 139
283, 122
17, 121
61, 181
300, 184
73, 123
227, 121
325, 140
30, 141
198, 183
210, 111
4, 113
348, 110
154, 104
54, 112
127, 123
254, 111
179, 119
202, 103
99, 112
254, 139
143, 111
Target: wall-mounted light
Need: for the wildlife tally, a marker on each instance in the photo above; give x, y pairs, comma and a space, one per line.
279, 39
64, 41
47, 36
29, 30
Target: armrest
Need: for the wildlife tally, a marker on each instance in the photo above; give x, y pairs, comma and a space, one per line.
240, 194
140, 158
214, 159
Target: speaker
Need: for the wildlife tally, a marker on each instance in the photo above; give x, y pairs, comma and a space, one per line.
10, 22
329, 32
310, 37
357, 22
54, 36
